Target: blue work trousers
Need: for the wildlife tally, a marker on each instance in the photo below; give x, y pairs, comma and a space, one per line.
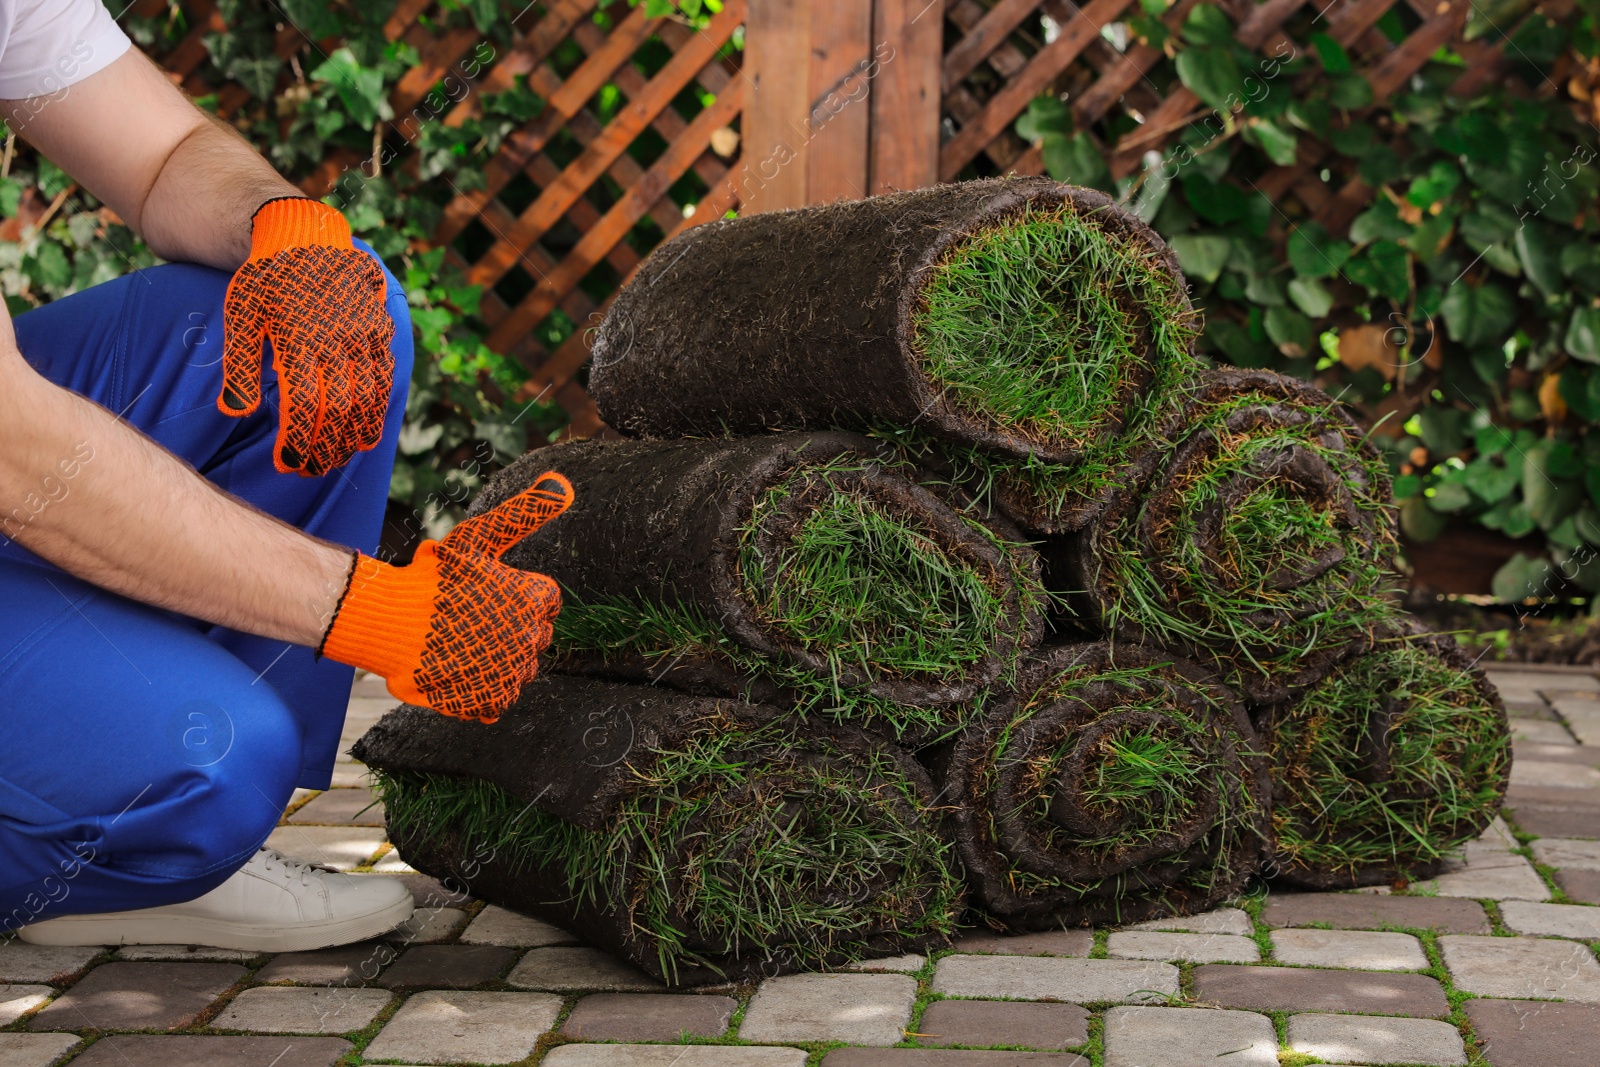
149, 754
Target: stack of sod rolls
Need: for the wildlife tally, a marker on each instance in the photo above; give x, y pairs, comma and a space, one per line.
943, 580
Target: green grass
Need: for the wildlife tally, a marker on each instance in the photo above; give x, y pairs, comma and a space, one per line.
737, 841
852, 582
1036, 325
1222, 587
1449, 750
1145, 777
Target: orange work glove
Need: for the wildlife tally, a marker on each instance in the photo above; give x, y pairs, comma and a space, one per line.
319, 300
455, 630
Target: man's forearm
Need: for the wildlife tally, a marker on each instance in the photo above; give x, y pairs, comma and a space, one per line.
198, 210
70, 473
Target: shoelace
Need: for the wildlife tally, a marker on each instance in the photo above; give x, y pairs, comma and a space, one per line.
291, 865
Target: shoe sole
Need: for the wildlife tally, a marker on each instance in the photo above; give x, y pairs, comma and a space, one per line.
81, 930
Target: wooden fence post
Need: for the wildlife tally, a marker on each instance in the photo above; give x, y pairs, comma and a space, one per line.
844, 99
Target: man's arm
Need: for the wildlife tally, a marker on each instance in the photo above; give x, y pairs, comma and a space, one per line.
105, 503
185, 182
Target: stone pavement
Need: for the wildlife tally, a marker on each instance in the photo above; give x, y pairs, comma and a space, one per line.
1492, 963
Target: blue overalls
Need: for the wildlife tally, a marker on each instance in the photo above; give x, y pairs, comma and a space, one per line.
149, 754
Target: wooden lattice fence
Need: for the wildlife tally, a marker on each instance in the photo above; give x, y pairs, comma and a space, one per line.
828, 99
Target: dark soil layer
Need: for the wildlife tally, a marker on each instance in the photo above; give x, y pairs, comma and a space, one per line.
952, 309
701, 839
1116, 785
1399, 756
801, 569
1254, 534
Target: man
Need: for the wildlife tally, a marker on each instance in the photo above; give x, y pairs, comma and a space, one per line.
179, 612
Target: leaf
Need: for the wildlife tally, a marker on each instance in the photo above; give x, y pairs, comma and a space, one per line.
1076, 160
48, 266
1368, 344
1330, 53
1313, 253
1045, 114
1355, 140
1207, 25
1583, 335
1212, 73
360, 89
1277, 142
1217, 202
1382, 268
1202, 256
1291, 332
1420, 522
1311, 296
1520, 577
10, 197
1540, 252
1235, 342
1350, 91
1310, 115
1490, 481
1477, 315
1437, 184
1549, 494
1379, 222
1491, 440
1450, 496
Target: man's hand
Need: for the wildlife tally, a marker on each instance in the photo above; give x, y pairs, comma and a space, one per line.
319, 300
456, 630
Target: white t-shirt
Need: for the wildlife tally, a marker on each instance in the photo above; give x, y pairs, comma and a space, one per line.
47, 45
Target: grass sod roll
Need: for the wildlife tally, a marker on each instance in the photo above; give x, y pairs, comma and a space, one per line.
1397, 758
1018, 316
1116, 784
801, 569
1253, 535
701, 839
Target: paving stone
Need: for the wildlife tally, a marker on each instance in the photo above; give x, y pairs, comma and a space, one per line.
1364, 911
1582, 886
448, 1026
138, 996
1000, 1022
1304, 989
340, 847
1361, 950
291, 1010
428, 925
1518, 685
1557, 773
17, 1000
1521, 710
1190, 948
648, 1016
179, 953
342, 807
348, 774
22, 962
347, 965
1522, 967
1488, 872
910, 963
566, 970
1567, 751
1219, 921
497, 926
672, 1056
1582, 717
1047, 943
1554, 920
391, 863
1051, 978
1547, 821
1365, 1039
1188, 1037
858, 1009
1520, 1033
947, 1057
195, 1050
1554, 796
447, 966
1542, 731
35, 1050
1568, 852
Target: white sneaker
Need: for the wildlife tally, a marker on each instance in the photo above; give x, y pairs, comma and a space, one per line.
272, 904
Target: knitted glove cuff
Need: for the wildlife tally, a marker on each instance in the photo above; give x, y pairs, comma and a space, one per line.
383, 619
296, 222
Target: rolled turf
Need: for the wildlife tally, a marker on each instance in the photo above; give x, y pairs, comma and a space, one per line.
1017, 317
1401, 755
1253, 535
701, 839
1116, 784
801, 569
